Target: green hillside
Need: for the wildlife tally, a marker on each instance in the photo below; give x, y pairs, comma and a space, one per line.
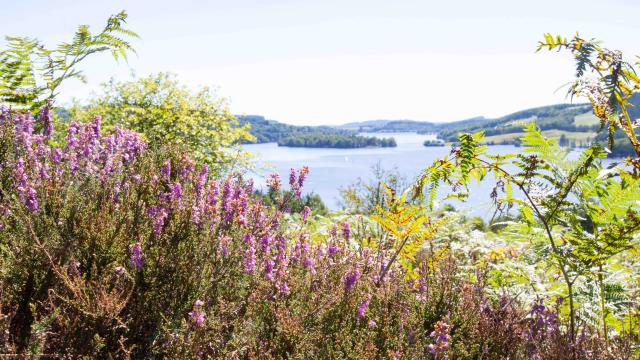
561, 118
572, 125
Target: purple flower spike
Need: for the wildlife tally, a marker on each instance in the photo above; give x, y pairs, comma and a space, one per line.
292, 178
197, 318
350, 279
136, 256
441, 335
305, 213
249, 255
362, 309
166, 170
45, 117
346, 230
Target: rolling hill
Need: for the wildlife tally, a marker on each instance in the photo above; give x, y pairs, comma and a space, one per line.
572, 124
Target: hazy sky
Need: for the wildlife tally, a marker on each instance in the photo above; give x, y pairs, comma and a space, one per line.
335, 61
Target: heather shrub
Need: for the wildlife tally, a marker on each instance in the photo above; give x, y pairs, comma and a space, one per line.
114, 249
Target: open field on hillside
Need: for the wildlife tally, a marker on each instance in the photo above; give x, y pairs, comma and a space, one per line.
555, 134
586, 119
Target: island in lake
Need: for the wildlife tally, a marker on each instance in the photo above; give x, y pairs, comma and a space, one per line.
266, 131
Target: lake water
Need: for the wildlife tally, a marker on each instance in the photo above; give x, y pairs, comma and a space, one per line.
333, 168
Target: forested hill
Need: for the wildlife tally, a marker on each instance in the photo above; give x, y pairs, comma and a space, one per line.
401, 125
571, 124
564, 117
573, 121
309, 136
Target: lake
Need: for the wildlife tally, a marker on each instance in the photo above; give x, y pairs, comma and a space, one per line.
333, 168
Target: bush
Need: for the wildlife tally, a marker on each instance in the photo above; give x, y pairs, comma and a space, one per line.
111, 249
165, 112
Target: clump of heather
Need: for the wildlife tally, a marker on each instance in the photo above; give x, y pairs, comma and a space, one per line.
441, 337
111, 249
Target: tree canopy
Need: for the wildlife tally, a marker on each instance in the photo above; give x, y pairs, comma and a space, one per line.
164, 111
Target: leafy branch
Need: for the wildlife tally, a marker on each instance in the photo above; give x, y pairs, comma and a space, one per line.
30, 73
606, 80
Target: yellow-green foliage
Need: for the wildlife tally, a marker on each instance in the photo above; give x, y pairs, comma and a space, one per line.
166, 112
408, 227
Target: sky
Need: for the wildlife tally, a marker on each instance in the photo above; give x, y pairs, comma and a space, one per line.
337, 61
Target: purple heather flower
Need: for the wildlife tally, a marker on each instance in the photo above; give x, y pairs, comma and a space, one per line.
136, 256
350, 279
302, 176
249, 186
20, 173
260, 217
284, 288
309, 263
202, 178
333, 231
268, 269
332, 250
250, 259
227, 199
32, 200
72, 141
362, 309
372, 324
116, 193
214, 191
187, 167
292, 178
543, 322
346, 230
56, 156
265, 242
196, 215
166, 170
176, 193
320, 253
305, 213
96, 126
224, 244
158, 214
273, 181
197, 318
275, 222
25, 189
45, 117
441, 335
